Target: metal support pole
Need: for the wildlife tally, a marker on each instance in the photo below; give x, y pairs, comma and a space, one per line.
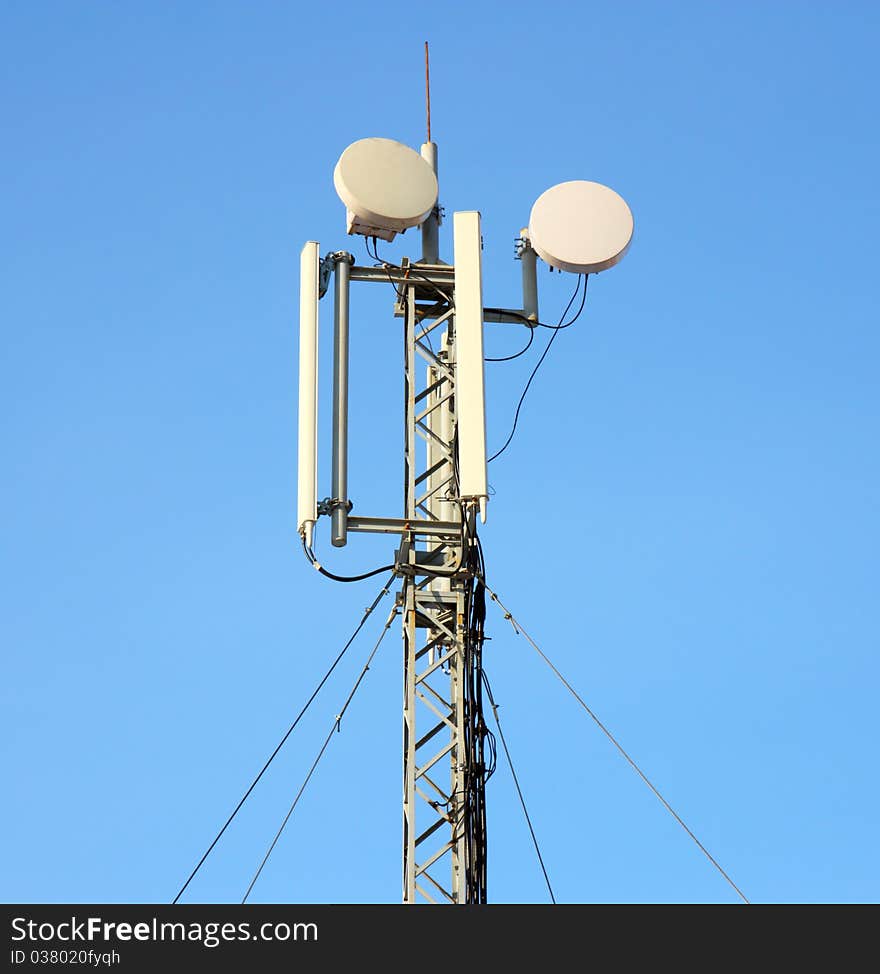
431, 226
339, 496
529, 260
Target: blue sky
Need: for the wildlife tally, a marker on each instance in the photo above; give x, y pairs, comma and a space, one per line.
687, 521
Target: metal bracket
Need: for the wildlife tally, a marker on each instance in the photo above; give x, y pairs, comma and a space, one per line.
329, 504
401, 563
325, 271
520, 246
516, 316
328, 265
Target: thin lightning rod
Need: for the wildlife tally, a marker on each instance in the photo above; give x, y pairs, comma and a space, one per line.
431, 226
427, 92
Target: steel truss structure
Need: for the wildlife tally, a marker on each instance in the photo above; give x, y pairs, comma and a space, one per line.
435, 764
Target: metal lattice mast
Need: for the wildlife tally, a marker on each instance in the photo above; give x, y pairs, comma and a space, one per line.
435, 867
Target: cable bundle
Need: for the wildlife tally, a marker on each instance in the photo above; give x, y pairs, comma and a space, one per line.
479, 741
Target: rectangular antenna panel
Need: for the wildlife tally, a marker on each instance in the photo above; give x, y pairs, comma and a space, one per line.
307, 485
470, 396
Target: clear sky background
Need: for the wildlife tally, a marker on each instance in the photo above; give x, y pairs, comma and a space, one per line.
687, 521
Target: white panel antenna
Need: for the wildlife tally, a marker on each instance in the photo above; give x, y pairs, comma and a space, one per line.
469, 361
307, 485
580, 226
386, 186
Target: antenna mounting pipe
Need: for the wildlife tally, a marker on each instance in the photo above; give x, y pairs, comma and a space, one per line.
340, 505
529, 275
431, 226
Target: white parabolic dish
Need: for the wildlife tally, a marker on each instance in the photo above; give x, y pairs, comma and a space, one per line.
385, 184
581, 227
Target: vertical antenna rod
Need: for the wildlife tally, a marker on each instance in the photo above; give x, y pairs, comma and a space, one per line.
431, 226
427, 92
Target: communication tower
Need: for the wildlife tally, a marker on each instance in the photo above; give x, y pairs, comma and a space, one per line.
580, 227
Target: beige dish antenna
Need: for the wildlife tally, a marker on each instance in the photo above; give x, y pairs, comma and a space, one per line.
580, 226
386, 187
